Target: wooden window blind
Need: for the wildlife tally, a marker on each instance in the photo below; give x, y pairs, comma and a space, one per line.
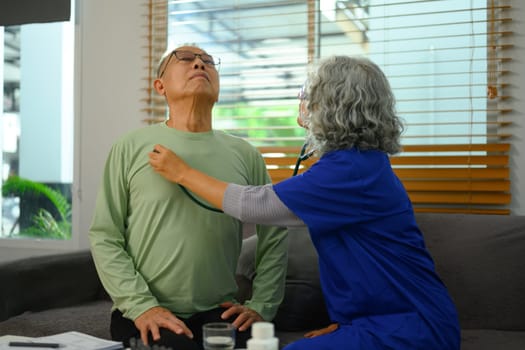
445, 59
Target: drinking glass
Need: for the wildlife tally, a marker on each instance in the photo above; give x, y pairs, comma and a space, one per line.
218, 336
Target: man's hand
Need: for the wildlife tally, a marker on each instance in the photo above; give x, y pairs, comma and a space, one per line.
322, 331
159, 317
245, 318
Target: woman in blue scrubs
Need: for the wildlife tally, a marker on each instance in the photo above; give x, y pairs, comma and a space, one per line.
378, 279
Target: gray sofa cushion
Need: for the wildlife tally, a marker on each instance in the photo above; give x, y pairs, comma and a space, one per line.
481, 260
487, 339
52, 275
303, 305
91, 318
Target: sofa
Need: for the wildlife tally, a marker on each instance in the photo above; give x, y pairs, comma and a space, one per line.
480, 258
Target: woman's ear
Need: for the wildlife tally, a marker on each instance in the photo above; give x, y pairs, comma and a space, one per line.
158, 85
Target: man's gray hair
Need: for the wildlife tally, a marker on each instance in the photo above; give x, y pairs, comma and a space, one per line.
167, 54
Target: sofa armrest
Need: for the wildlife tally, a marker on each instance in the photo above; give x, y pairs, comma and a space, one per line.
46, 282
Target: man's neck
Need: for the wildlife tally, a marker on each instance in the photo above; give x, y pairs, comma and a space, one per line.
191, 119
190, 124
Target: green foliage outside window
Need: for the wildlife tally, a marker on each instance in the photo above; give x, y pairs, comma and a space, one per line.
54, 223
258, 124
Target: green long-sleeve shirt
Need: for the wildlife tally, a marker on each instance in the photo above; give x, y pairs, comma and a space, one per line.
152, 245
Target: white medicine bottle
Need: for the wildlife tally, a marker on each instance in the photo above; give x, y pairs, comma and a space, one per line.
262, 337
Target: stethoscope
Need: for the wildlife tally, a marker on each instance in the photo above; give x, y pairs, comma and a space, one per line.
193, 198
303, 155
202, 204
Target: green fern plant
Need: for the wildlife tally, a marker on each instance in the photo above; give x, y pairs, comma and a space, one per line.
44, 223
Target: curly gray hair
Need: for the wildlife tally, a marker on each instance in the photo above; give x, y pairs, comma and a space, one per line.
351, 104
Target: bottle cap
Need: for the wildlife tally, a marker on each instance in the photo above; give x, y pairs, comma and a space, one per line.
262, 330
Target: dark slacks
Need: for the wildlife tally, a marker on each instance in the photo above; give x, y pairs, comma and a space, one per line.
123, 329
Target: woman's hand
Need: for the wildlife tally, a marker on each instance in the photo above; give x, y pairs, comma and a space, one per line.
174, 169
318, 332
168, 164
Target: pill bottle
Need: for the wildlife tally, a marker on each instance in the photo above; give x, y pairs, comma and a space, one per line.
262, 337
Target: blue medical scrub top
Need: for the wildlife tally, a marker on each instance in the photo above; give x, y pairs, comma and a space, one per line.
376, 273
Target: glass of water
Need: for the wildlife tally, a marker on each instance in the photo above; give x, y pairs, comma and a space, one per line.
218, 335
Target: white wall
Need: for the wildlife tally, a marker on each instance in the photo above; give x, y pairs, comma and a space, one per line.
110, 65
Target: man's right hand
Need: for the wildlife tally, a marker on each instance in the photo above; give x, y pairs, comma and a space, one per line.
158, 317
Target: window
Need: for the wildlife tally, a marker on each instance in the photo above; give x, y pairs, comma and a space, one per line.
444, 58
36, 131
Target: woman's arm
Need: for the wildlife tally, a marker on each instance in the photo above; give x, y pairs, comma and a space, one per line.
258, 205
253, 204
173, 168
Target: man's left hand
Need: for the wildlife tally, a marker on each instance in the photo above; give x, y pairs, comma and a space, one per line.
246, 316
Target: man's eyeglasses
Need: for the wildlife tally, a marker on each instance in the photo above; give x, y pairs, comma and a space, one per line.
188, 56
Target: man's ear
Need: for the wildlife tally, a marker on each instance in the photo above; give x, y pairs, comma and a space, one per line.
158, 85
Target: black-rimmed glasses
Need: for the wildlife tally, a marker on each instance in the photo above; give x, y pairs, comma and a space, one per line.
188, 56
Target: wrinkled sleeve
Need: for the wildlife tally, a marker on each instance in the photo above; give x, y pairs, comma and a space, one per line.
126, 287
271, 258
258, 205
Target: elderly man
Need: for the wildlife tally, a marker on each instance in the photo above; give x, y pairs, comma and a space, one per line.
167, 263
